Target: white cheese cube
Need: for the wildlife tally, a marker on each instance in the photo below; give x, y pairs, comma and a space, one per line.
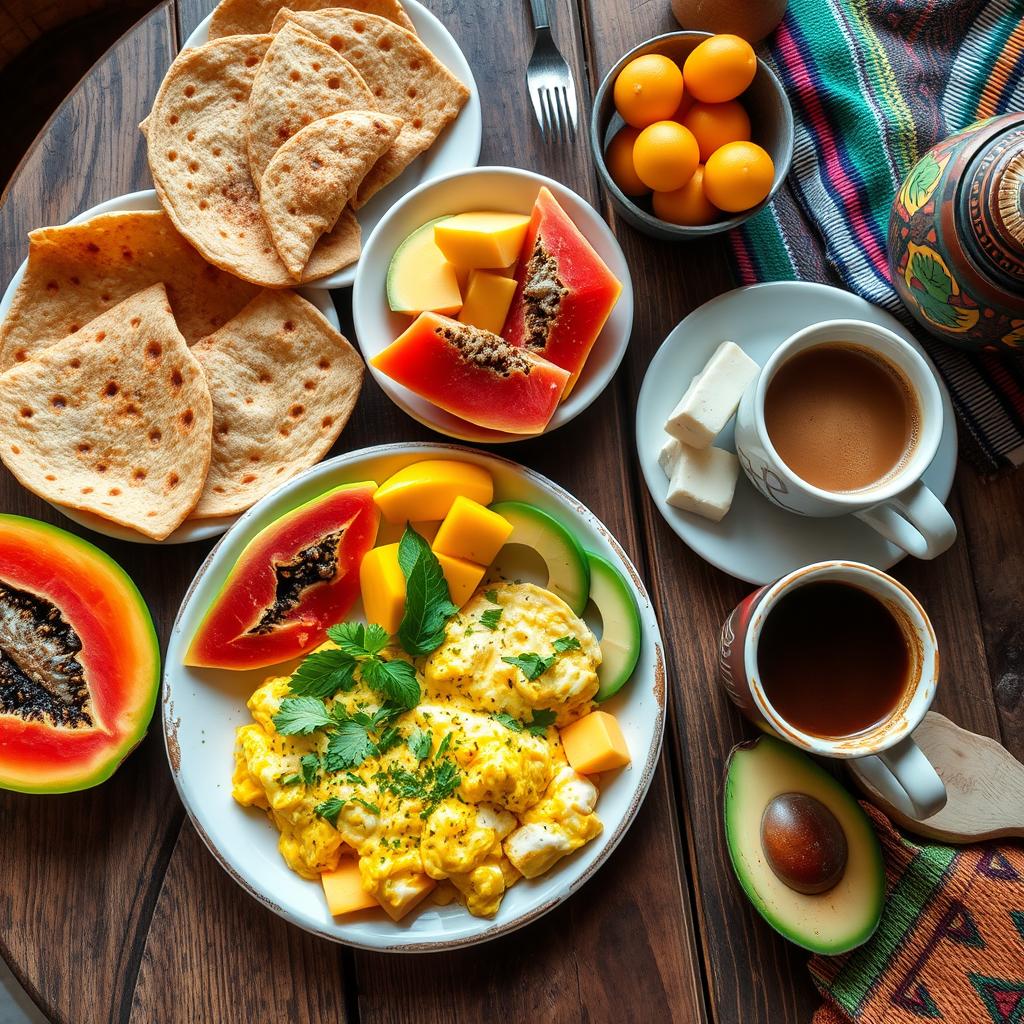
704, 481
712, 397
669, 455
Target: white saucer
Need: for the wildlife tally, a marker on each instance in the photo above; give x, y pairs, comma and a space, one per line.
758, 541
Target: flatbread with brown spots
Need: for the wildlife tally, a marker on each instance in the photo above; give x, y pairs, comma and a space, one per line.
243, 17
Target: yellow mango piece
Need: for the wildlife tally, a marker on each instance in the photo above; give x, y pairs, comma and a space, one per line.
391, 533
462, 577
426, 490
383, 587
420, 279
403, 892
595, 744
344, 890
462, 274
472, 532
481, 240
488, 297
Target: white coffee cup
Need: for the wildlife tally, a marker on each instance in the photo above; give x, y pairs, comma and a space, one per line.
896, 764
899, 506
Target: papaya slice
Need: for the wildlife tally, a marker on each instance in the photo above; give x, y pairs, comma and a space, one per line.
79, 661
295, 578
474, 374
564, 291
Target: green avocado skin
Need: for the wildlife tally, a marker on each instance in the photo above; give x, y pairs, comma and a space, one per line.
760, 769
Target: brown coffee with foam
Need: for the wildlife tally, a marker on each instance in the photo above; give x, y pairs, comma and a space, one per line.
841, 417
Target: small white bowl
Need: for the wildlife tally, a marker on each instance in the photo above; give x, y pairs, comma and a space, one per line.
458, 146
190, 530
505, 189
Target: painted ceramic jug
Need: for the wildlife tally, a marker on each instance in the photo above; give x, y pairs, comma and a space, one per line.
956, 236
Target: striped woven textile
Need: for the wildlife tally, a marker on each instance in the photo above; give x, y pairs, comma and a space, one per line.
874, 84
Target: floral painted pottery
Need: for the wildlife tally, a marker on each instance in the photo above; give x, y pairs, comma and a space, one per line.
956, 236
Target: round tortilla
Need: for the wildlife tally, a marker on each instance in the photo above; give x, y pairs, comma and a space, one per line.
284, 383
406, 79
245, 17
299, 80
200, 165
76, 272
315, 174
115, 419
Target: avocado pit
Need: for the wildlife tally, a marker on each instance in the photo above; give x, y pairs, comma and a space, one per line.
803, 842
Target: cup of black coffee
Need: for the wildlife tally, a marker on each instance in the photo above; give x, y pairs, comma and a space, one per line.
844, 418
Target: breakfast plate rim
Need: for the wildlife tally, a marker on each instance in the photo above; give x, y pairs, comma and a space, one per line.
695, 532
576, 875
463, 136
189, 531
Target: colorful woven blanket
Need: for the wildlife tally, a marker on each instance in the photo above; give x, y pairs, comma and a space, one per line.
950, 947
874, 84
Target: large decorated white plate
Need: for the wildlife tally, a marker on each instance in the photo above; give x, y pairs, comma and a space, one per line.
455, 149
203, 707
200, 529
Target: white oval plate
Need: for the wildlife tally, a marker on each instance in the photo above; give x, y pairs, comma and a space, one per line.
758, 541
456, 148
201, 529
203, 707
508, 189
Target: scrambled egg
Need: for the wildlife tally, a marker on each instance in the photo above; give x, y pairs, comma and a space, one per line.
515, 807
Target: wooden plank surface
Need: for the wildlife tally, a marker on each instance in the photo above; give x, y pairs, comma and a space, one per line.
118, 880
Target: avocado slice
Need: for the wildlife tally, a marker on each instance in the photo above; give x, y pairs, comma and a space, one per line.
846, 915
620, 626
566, 561
420, 279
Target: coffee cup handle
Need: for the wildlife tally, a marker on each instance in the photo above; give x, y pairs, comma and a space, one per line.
910, 777
914, 520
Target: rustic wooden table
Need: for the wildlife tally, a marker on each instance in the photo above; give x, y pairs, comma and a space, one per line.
112, 910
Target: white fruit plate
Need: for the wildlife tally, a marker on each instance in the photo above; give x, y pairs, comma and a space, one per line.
455, 149
203, 707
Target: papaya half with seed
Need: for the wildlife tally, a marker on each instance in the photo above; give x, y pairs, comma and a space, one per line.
296, 577
79, 660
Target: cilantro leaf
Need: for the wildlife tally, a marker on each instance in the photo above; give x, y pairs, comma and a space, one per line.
532, 665
299, 716
443, 746
389, 738
491, 595
509, 721
372, 808
490, 618
428, 603
385, 713
444, 782
329, 810
310, 768
323, 674
566, 643
348, 747
420, 743
356, 780
350, 638
395, 679
538, 724
291, 780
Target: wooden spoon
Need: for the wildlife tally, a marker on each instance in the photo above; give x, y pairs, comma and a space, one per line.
984, 783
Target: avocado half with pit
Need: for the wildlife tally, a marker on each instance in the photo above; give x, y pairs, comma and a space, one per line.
791, 829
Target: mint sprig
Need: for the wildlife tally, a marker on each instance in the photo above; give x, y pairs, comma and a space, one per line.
428, 602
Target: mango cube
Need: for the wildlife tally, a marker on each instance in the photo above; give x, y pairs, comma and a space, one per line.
481, 240
488, 297
595, 744
461, 576
425, 491
344, 890
472, 532
391, 533
401, 893
382, 584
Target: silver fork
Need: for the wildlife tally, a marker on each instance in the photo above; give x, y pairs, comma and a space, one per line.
549, 80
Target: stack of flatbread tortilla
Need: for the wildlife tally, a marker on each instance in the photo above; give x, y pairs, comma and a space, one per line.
263, 142
144, 386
